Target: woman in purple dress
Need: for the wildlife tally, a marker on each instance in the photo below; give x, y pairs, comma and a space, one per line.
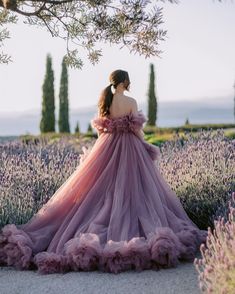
115, 212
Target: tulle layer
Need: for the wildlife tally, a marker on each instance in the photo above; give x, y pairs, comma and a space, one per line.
153, 151
116, 194
125, 123
162, 248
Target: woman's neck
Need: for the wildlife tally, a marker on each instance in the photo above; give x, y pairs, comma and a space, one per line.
118, 92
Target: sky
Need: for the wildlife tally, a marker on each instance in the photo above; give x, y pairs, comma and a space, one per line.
198, 61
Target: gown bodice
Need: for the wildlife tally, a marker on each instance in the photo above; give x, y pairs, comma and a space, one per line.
130, 122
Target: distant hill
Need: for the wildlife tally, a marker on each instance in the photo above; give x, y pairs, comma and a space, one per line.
204, 110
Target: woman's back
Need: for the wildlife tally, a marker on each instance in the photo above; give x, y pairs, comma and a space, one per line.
122, 105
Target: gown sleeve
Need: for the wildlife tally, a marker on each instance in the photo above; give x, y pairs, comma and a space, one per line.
153, 150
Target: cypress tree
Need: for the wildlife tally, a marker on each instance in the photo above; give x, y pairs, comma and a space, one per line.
47, 123
63, 100
89, 129
187, 121
77, 129
152, 100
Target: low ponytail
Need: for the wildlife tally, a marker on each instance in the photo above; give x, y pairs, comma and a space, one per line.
105, 101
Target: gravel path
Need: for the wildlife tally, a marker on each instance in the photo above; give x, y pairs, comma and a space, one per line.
180, 280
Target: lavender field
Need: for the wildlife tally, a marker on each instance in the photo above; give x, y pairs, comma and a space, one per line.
199, 169
30, 173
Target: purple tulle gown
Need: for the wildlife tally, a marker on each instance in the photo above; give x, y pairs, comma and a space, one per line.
114, 213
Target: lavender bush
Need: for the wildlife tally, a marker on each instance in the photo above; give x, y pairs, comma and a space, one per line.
30, 173
201, 169
217, 267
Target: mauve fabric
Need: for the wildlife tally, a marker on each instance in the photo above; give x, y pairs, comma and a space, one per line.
114, 213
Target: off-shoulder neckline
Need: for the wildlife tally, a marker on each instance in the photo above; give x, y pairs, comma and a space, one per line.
123, 116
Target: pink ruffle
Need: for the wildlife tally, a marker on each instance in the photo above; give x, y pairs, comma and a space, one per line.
162, 248
15, 248
165, 247
191, 238
126, 123
114, 258
140, 254
83, 252
50, 263
122, 255
3, 256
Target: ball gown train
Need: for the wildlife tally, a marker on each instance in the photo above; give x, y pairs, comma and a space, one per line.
114, 213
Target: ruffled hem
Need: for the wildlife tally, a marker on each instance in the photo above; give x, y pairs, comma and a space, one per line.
16, 248
161, 249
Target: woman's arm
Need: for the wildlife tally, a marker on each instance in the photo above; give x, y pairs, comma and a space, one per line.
134, 109
140, 134
98, 115
153, 151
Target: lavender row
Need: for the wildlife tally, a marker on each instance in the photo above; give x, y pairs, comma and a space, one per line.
201, 170
31, 173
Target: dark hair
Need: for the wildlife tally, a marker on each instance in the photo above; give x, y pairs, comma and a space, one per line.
116, 77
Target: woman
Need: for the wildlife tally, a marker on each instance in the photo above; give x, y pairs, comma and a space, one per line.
115, 212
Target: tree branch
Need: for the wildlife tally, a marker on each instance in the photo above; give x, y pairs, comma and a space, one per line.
85, 23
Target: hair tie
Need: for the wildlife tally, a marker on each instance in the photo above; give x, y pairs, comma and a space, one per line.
112, 88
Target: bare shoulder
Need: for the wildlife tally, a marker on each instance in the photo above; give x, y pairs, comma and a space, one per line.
131, 100
132, 103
